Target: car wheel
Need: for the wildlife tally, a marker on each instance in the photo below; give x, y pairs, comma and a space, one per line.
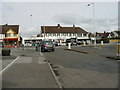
53, 50
42, 50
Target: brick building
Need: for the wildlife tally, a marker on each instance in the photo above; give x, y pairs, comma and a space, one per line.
9, 35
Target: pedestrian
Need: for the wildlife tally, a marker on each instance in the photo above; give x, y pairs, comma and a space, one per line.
23, 46
2, 45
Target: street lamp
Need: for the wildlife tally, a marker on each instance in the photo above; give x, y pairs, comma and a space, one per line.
44, 31
93, 20
31, 19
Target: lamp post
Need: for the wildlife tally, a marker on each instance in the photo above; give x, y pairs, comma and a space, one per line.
93, 21
44, 31
31, 19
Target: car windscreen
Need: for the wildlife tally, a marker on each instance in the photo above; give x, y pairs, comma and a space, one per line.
73, 40
48, 42
68, 40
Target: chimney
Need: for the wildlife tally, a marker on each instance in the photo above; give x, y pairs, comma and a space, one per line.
6, 24
59, 26
73, 25
104, 32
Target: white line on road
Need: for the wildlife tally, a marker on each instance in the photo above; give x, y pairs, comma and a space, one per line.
9, 65
118, 60
41, 54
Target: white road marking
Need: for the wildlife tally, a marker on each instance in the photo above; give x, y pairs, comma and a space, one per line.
41, 54
9, 65
118, 60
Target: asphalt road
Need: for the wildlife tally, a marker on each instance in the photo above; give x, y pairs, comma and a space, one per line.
80, 70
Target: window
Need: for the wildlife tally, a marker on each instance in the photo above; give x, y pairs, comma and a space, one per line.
53, 34
63, 34
80, 35
49, 34
7, 35
59, 34
68, 34
84, 34
76, 35
15, 35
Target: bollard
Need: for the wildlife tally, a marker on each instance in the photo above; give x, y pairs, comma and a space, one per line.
84, 44
118, 50
102, 43
69, 45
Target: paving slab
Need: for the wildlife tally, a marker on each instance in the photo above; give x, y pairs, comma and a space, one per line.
28, 72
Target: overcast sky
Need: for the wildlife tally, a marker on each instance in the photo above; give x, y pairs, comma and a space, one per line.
64, 13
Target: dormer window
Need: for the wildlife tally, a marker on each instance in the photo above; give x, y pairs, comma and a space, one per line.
7, 35
15, 35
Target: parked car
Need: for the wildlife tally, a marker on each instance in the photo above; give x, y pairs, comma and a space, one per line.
79, 42
56, 44
72, 41
47, 45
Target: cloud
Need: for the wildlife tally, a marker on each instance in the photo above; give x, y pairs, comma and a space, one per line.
8, 8
28, 32
71, 18
105, 24
101, 24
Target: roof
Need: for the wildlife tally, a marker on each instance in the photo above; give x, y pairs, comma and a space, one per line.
101, 34
118, 32
105, 34
5, 28
60, 29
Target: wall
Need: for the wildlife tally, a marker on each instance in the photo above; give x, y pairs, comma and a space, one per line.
114, 40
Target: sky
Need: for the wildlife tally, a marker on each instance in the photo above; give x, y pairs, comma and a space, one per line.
32, 15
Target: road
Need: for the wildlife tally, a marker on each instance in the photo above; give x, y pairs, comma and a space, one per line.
81, 70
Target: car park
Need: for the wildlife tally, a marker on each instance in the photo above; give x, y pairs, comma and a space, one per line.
47, 45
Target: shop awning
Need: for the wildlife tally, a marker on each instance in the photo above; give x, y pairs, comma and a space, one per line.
10, 39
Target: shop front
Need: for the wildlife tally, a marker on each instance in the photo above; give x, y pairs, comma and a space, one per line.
11, 42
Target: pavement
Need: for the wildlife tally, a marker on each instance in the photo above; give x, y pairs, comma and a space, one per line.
29, 70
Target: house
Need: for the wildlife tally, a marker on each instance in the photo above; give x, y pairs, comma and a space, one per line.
103, 37
62, 33
115, 36
9, 34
